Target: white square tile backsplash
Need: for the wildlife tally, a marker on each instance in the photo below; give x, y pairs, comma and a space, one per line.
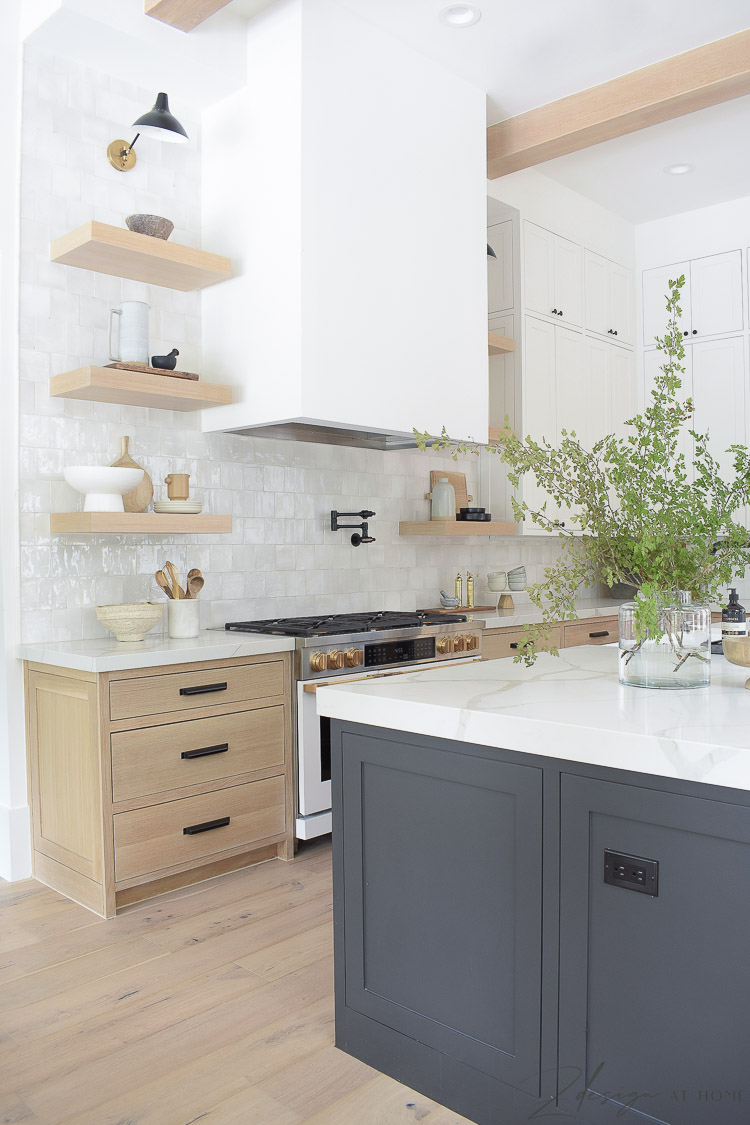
281, 557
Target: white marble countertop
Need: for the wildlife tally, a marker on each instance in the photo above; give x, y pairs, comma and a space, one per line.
569, 707
105, 654
530, 615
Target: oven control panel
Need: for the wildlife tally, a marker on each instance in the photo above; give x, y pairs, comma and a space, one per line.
399, 652
346, 658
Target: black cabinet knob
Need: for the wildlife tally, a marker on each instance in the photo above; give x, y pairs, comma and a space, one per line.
615, 332
560, 312
554, 312
684, 333
695, 331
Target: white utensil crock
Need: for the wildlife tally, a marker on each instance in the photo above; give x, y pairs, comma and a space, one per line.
183, 618
443, 500
132, 337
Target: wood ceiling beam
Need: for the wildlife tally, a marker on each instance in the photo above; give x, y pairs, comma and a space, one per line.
715, 72
183, 14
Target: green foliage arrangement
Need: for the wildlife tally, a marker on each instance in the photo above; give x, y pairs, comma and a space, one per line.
642, 520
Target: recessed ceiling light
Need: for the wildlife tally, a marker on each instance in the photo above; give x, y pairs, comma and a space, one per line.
679, 169
460, 15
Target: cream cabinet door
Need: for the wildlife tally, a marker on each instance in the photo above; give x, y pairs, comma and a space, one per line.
719, 396
500, 269
538, 269
655, 289
597, 293
621, 303
539, 407
568, 283
622, 404
716, 294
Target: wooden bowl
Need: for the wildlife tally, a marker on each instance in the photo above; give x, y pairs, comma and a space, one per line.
737, 651
131, 621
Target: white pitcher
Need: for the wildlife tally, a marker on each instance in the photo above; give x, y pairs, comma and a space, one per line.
132, 338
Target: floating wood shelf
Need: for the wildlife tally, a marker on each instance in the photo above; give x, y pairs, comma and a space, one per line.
135, 523
456, 527
138, 388
139, 257
183, 14
500, 345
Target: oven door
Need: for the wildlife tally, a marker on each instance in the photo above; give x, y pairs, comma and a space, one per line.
314, 750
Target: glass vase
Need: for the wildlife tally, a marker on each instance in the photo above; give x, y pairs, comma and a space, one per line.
677, 655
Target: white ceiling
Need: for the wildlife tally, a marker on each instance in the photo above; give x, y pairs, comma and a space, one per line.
627, 175
527, 53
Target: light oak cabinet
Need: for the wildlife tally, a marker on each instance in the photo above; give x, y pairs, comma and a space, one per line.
609, 298
146, 780
499, 643
553, 275
711, 298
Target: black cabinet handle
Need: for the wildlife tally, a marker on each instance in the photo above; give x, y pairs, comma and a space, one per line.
602, 633
205, 751
204, 689
194, 829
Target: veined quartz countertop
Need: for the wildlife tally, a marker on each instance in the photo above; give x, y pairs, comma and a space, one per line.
105, 654
569, 707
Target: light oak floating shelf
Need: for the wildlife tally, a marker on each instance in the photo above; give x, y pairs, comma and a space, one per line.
457, 527
138, 388
135, 523
183, 14
500, 345
139, 257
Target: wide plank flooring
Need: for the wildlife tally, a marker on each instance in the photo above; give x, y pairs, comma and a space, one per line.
213, 1003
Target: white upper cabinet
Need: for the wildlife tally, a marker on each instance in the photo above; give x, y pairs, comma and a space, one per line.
609, 298
711, 298
718, 392
553, 275
500, 269
716, 294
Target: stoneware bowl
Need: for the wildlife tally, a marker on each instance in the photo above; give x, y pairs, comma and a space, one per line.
130, 622
737, 651
103, 486
156, 226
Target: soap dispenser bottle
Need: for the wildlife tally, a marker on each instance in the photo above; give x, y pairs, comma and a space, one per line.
733, 618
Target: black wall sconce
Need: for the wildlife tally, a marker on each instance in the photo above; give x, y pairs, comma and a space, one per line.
357, 538
158, 122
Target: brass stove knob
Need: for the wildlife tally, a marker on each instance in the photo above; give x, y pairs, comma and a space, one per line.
472, 642
336, 659
354, 657
318, 662
443, 645
458, 644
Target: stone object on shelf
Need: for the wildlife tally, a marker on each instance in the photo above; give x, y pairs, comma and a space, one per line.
155, 226
166, 362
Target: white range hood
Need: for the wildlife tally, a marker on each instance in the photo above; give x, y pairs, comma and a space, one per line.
347, 183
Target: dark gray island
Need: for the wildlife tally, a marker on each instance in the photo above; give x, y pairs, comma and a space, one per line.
529, 924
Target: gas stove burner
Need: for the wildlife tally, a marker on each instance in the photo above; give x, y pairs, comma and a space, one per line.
341, 623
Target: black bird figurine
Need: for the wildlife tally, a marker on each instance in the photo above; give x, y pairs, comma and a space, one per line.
165, 362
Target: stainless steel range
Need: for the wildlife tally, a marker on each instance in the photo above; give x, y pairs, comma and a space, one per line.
354, 646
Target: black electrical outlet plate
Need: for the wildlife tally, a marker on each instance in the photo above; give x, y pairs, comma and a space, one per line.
631, 872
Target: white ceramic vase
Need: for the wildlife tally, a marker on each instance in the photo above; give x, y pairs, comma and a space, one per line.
183, 618
443, 500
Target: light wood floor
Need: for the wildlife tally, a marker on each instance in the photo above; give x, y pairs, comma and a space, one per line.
212, 1004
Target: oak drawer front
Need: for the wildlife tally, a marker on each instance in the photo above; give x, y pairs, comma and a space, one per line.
156, 759
154, 838
506, 642
183, 691
602, 632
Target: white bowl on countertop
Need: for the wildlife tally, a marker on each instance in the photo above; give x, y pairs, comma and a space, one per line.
103, 486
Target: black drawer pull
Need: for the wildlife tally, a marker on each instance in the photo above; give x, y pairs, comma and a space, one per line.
602, 633
205, 751
194, 829
203, 690
514, 644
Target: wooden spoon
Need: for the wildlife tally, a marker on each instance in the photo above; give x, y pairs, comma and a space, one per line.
163, 583
194, 585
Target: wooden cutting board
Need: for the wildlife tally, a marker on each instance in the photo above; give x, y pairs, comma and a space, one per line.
140, 498
149, 370
458, 480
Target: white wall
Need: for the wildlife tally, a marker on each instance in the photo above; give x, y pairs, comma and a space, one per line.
693, 234
558, 208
